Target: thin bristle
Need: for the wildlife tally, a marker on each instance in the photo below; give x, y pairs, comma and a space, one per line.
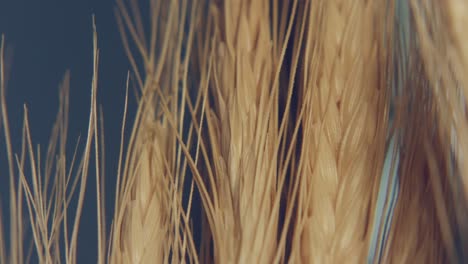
47, 189
16, 249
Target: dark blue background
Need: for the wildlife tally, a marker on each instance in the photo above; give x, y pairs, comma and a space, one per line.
48, 37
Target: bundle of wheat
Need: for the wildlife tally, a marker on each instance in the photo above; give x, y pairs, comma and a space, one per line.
326, 131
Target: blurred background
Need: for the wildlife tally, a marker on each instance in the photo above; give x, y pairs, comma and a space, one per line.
45, 39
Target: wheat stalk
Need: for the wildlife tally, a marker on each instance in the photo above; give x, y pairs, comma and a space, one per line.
341, 90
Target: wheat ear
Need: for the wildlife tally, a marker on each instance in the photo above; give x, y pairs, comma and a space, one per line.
341, 88
450, 47
416, 234
443, 57
243, 131
457, 23
238, 181
437, 67
457, 20
151, 225
424, 213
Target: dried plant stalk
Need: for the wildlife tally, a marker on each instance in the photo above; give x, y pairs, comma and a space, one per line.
343, 100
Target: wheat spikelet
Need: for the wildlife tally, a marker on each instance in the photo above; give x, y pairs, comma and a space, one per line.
424, 230
457, 20
150, 222
451, 60
457, 11
341, 88
246, 133
240, 147
416, 233
440, 55
147, 217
